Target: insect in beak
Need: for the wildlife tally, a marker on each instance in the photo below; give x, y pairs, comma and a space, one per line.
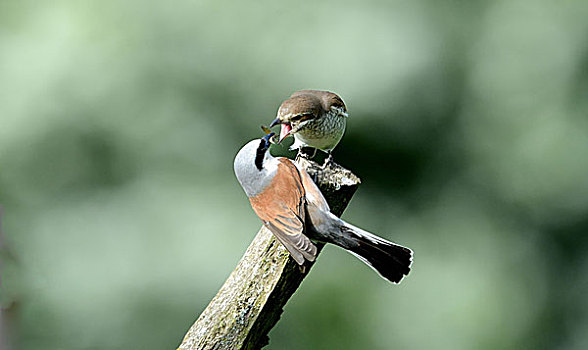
269, 135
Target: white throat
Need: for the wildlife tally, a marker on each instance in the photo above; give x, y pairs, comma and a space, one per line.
252, 179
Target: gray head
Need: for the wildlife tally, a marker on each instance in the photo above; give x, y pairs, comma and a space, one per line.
254, 166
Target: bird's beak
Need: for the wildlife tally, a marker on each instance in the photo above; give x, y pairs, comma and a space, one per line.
275, 122
285, 132
267, 139
286, 128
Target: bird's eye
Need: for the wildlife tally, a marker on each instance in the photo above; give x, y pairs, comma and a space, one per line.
301, 117
339, 105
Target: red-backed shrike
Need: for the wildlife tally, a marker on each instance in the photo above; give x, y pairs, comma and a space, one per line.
316, 118
292, 207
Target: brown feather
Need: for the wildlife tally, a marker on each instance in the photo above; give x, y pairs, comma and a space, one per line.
281, 208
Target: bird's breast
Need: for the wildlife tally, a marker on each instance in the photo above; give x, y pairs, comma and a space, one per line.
323, 133
285, 190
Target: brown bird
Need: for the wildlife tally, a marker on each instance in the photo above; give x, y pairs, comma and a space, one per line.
316, 118
292, 207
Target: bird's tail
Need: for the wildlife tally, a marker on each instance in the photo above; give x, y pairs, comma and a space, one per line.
389, 260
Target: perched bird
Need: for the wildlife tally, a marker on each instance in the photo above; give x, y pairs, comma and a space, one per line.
292, 207
316, 118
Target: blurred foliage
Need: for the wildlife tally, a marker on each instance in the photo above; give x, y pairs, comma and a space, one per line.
468, 126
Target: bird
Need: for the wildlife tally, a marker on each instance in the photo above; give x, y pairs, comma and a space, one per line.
316, 118
292, 207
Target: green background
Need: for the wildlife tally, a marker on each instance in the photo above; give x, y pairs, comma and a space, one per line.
119, 121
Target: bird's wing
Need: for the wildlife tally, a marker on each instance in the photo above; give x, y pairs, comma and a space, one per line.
313, 194
281, 208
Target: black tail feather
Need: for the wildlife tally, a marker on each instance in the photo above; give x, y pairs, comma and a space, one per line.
390, 260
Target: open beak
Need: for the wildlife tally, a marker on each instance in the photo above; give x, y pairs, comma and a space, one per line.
267, 139
286, 128
285, 132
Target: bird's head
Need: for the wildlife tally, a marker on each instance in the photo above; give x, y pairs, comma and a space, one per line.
253, 166
303, 108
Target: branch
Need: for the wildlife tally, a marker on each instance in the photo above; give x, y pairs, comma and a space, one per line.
251, 301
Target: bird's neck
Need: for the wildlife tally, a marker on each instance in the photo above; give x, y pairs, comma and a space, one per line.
256, 180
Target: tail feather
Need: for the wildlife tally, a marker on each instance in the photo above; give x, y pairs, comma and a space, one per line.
389, 260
